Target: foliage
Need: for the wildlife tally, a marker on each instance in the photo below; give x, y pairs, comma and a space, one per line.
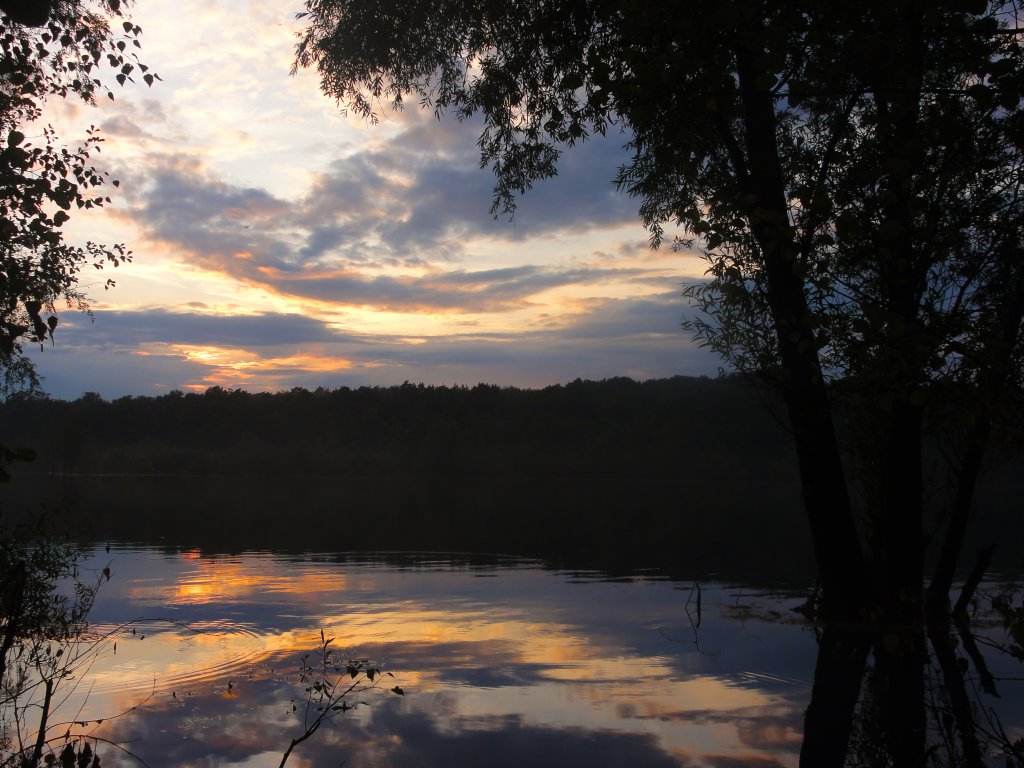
33, 562
46, 640
42, 180
611, 428
851, 172
1012, 618
9, 457
51, 49
48, 648
329, 685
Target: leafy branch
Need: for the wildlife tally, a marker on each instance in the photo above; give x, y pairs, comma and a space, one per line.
330, 683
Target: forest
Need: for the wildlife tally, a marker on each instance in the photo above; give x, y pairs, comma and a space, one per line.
586, 472
612, 428
616, 474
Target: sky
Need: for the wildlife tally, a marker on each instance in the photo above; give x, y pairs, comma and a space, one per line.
278, 243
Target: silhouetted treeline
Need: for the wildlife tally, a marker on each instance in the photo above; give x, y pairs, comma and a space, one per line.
611, 428
692, 475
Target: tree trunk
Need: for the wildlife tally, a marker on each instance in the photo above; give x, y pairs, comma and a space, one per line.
899, 662
941, 636
823, 484
993, 381
13, 607
837, 680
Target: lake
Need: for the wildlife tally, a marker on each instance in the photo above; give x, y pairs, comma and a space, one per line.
622, 622
501, 662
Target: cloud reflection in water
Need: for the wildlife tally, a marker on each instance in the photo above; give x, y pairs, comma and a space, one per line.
528, 668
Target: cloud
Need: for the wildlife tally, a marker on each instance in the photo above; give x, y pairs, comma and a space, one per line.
123, 127
426, 185
243, 187
465, 291
133, 328
69, 371
155, 350
187, 206
249, 235
616, 319
126, 118
415, 202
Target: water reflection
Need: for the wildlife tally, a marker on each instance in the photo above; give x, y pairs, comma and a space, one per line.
502, 665
526, 662
916, 696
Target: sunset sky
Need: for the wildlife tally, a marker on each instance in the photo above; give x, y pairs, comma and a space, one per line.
280, 244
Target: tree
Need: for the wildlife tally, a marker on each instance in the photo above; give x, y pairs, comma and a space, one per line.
42, 181
852, 171
45, 640
852, 175
48, 48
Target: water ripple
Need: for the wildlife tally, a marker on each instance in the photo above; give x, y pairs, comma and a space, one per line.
171, 657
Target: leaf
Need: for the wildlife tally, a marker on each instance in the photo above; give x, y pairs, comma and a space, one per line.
16, 157
398, 690
571, 81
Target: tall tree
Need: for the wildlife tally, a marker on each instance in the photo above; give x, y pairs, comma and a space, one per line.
52, 50
852, 172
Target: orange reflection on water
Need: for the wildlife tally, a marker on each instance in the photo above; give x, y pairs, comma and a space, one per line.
213, 581
467, 664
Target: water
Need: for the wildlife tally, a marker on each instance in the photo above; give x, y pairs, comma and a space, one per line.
505, 663
502, 661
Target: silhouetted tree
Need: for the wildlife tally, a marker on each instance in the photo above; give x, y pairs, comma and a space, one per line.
853, 174
852, 171
51, 50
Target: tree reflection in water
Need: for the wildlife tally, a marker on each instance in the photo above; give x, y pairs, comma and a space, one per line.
913, 695
905, 696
